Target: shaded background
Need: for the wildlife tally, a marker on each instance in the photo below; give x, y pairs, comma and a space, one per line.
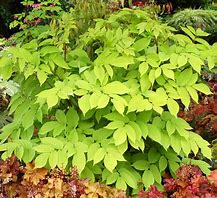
10, 7
7, 10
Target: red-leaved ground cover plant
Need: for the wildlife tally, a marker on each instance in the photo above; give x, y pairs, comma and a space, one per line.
190, 183
203, 115
27, 181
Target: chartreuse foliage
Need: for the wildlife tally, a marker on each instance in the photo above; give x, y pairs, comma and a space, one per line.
110, 110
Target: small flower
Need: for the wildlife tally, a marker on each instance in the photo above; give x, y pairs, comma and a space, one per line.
37, 21
36, 5
138, 3
25, 20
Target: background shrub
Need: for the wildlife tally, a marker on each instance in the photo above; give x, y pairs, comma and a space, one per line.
204, 19
189, 3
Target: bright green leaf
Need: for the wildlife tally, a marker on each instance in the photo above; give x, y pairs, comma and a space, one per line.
143, 68
162, 163
202, 88
121, 184
53, 159
41, 160
84, 103
79, 161
58, 60
147, 178
99, 155
156, 173
116, 87
173, 106
110, 162
141, 165
120, 136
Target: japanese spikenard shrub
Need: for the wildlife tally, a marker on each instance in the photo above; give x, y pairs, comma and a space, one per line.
109, 106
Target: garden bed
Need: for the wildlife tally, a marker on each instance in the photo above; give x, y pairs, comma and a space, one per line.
123, 99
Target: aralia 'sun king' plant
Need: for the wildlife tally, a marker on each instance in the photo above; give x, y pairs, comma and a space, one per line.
108, 105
